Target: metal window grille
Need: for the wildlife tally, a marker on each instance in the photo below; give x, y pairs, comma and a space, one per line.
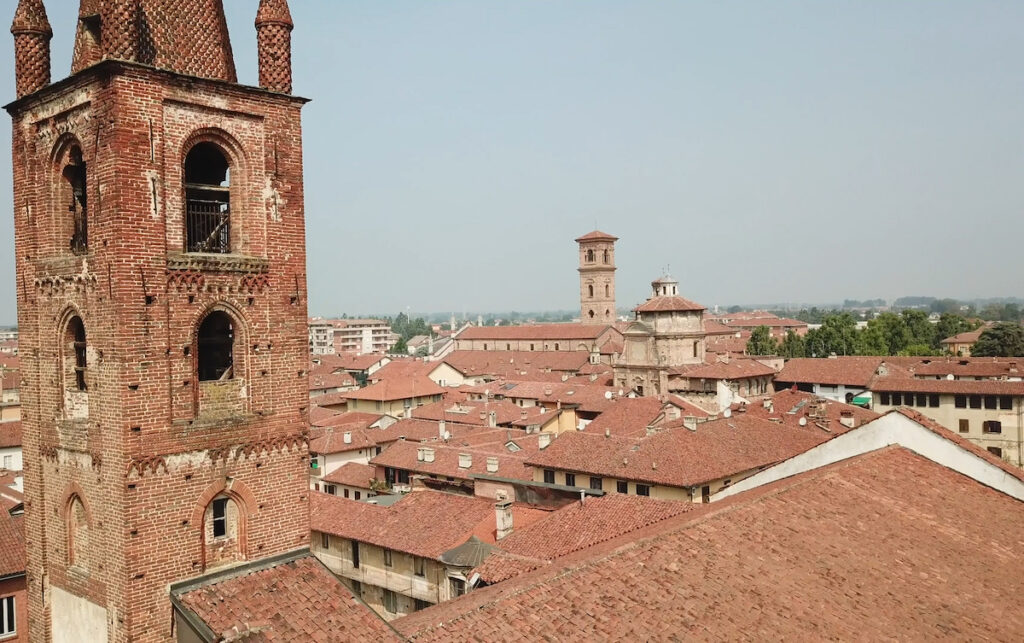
208, 220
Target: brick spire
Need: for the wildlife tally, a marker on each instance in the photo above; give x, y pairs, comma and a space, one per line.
32, 34
274, 37
88, 50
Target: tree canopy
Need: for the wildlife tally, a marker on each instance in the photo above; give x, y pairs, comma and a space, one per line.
1005, 339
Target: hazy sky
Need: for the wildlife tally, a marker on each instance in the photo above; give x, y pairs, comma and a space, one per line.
767, 151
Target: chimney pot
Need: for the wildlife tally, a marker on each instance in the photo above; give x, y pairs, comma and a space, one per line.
465, 460
428, 455
502, 517
544, 440
347, 437
492, 465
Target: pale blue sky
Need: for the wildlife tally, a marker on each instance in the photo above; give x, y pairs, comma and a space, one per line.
768, 151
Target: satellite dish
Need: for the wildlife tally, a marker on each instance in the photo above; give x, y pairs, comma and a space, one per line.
607, 395
803, 421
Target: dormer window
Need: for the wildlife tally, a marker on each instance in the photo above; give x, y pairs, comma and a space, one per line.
75, 175
207, 200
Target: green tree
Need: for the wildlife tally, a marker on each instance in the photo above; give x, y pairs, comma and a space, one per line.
922, 331
838, 335
400, 347
949, 325
761, 342
872, 340
888, 335
793, 345
1005, 339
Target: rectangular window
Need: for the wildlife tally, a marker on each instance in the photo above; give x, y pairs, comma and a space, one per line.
933, 400
390, 601
896, 399
1005, 402
419, 566
331, 489
643, 490
220, 517
570, 479
595, 483
388, 562
622, 486
885, 399
403, 476
992, 426
991, 401
346, 493
357, 588
960, 401
975, 401
8, 626
355, 554
325, 541
458, 587
965, 425
549, 476
996, 451
922, 400
8, 462
358, 495
422, 605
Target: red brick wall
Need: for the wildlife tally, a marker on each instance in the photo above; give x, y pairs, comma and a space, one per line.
146, 460
16, 587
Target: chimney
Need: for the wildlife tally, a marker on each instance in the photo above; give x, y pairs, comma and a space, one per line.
846, 419
347, 437
441, 429
274, 45
492, 419
690, 422
523, 414
492, 465
483, 415
502, 517
428, 455
419, 454
32, 35
543, 440
465, 460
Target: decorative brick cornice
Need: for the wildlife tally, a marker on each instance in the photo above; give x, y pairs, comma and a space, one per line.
217, 263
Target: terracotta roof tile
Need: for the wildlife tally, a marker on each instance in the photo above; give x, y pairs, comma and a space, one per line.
826, 555
352, 474
396, 389
853, 371
403, 455
551, 332
597, 235
963, 387
293, 601
627, 417
12, 544
735, 369
790, 406
10, 434
668, 304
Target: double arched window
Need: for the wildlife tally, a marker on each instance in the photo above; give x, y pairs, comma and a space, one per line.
207, 199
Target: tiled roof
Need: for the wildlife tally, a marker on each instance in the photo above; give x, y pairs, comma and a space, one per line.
332, 440
597, 235
396, 389
627, 417
866, 549
735, 369
770, 322
10, 381
535, 331
991, 367
970, 337
10, 434
588, 397
352, 474
789, 406
318, 414
964, 387
336, 399
352, 361
423, 523
325, 380
350, 420
12, 544
854, 371
680, 457
714, 327
686, 408
668, 304
406, 367
475, 412
403, 455
298, 600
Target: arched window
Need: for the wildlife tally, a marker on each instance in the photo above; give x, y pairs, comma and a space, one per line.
207, 200
590, 314
75, 356
607, 290
590, 256
223, 531
590, 290
606, 256
77, 523
215, 344
76, 195
695, 349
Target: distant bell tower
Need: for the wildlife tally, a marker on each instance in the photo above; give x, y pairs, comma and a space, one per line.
161, 286
597, 278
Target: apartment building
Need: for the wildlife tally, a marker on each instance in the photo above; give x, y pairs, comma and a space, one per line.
329, 336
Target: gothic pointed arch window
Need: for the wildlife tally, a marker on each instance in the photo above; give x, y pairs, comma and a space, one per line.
590, 290
607, 290
76, 361
215, 346
607, 257
207, 199
590, 256
71, 196
77, 526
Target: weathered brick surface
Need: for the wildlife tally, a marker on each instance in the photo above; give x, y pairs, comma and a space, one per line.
274, 40
150, 456
32, 36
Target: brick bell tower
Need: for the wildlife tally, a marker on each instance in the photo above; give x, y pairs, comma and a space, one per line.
160, 256
597, 278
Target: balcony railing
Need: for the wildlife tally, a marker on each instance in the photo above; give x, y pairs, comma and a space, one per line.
208, 223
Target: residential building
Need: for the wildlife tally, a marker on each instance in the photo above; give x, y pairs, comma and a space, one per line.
843, 379
868, 502
351, 480
961, 344
778, 327
10, 395
597, 278
321, 337
668, 333
601, 341
13, 596
10, 446
395, 397
353, 335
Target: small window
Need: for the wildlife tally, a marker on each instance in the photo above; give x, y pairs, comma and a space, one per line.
388, 561
922, 400
590, 256
358, 495
458, 586
570, 479
1005, 402
345, 492
991, 401
74, 173
216, 341
933, 400
403, 476
79, 353
331, 489
960, 401
556, 346
595, 483
965, 425
897, 399
549, 476
590, 290
325, 541
355, 554
419, 604
508, 347
885, 399
607, 290
996, 451
643, 490
606, 257
622, 486
531, 347
992, 426
207, 200
220, 517
975, 401
419, 566
390, 602
8, 624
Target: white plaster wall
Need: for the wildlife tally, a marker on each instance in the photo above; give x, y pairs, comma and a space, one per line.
76, 620
15, 455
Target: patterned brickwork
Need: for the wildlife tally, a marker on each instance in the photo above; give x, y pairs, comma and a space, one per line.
145, 454
32, 36
275, 52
